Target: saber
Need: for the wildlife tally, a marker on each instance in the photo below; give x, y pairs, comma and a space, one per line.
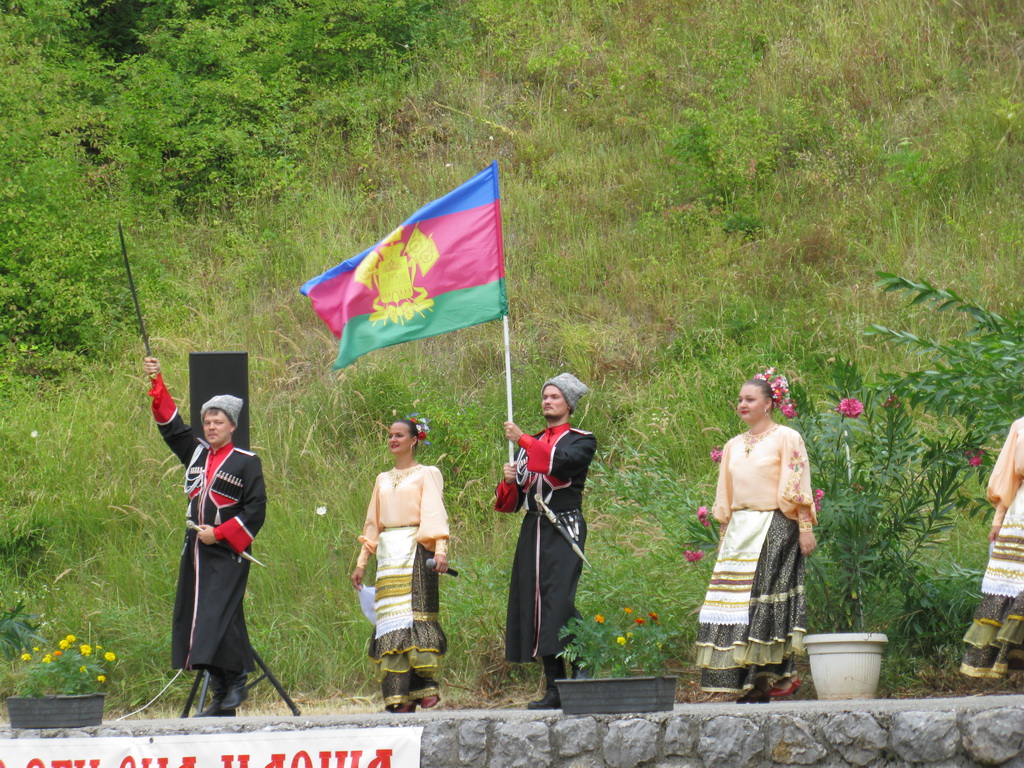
553, 519
131, 286
193, 527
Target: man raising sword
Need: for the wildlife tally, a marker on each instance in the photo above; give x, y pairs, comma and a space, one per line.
547, 478
226, 508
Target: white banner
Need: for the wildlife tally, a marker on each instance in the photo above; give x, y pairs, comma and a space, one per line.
326, 748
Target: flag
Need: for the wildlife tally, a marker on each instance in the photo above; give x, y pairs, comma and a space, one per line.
442, 269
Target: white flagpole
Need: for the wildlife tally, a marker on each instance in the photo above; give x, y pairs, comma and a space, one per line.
508, 384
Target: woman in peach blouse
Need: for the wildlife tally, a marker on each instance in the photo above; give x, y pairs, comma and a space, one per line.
995, 639
406, 525
753, 618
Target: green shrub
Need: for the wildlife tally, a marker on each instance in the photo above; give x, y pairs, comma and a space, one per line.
891, 491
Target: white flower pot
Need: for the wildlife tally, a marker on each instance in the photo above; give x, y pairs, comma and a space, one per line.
846, 666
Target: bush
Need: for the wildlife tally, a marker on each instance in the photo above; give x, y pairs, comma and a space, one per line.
17, 633
891, 491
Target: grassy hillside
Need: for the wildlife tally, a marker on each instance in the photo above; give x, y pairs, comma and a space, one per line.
690, 190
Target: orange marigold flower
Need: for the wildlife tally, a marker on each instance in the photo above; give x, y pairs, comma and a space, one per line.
627, 610
653, 615
638, 620
599, 619
58, 653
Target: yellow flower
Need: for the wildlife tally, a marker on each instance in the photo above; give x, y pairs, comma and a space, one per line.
620, 640
629, 634
85, 649
82, 668
109, 656
26, 657
101, 679
63, 645
35, 649
69, 639
47, 659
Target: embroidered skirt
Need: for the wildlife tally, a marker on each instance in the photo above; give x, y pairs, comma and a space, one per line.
995, 639
754, 616
407, 643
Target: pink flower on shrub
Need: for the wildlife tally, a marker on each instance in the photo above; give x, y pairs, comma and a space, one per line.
702, 515
974, 458
891, 402
716, 455
788, 410
818, 496
850, 407
693, 556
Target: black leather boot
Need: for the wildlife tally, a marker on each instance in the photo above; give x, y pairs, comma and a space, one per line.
550, 700
218, 688
236, 692
554, 669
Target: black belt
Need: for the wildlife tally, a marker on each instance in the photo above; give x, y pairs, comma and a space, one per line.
558, 512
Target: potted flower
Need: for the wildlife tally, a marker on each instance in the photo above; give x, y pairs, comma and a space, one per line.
60, 687
622, 654
888, 491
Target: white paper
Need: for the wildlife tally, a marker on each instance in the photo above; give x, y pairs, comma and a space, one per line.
367, 596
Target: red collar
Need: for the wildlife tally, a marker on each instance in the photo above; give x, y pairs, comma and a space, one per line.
555, 431
223, 450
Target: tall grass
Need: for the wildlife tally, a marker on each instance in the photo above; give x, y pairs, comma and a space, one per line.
863, 136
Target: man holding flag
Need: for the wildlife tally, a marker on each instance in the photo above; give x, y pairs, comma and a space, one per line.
548, 476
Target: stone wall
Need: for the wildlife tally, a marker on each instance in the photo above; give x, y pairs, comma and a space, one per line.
932, 733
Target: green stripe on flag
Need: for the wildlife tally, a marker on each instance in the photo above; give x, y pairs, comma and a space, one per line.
451, 311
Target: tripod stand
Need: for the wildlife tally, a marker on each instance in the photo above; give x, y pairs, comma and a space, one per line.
203, 676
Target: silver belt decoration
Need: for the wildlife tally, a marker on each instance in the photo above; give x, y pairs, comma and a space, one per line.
553, 519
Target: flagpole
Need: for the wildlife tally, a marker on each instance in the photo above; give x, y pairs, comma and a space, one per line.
508, 383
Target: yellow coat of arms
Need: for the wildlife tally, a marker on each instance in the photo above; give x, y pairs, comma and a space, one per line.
391, 269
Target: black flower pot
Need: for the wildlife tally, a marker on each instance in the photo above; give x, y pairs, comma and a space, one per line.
56, 711
617, 695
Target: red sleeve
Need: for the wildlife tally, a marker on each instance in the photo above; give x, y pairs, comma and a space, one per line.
163, 405
234, 532
506, 497
538, 454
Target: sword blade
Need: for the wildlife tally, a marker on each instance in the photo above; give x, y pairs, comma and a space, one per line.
131, 287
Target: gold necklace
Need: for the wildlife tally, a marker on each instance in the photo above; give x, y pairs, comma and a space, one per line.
749, 440
398, 476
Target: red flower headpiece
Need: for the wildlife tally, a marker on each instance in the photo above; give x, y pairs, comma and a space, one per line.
422, 427
780, 391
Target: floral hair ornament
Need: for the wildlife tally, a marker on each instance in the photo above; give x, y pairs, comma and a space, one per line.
780, 391
422, 426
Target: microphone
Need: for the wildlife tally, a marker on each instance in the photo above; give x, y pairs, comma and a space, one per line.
432, 565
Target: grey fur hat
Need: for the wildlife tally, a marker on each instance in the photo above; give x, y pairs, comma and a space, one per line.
572, 389
229, 404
